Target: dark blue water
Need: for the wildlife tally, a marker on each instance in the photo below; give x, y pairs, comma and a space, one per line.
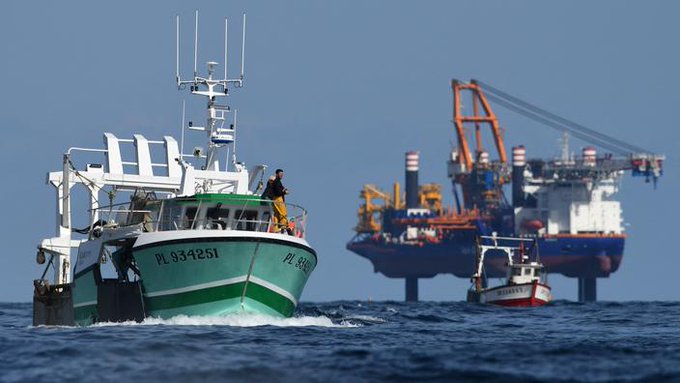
358, 341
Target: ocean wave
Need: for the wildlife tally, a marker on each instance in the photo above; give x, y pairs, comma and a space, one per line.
356, 341
363, 319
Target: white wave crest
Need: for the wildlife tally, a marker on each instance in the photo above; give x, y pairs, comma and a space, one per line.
364, 318
237, 320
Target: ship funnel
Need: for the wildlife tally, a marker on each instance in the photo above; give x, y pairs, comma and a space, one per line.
412, 162
519, 161
589, 156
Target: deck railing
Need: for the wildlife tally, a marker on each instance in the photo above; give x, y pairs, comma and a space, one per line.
241, 216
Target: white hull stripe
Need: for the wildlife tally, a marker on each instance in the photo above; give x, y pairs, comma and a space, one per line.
224, 282
201, 286
88, 303
273, 288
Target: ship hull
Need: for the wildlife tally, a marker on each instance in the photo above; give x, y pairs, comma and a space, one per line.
520, 295
204, 275
584, 257
197, 273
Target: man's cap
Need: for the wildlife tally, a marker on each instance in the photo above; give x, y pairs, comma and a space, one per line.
278, 171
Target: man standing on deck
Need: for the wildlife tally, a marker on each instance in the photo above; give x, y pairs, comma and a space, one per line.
280, 211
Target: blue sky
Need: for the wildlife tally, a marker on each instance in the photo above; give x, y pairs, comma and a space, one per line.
335, 93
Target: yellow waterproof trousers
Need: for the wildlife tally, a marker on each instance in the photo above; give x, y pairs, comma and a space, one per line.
280, 214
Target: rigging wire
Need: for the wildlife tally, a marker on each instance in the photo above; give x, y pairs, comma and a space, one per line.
110, 193
612, 141
576, 133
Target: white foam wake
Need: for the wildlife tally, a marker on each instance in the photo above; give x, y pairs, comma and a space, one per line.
237, 320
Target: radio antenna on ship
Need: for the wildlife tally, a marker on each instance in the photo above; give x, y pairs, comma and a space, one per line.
219, 136
233, 126
196, 45
181, 146
243, 49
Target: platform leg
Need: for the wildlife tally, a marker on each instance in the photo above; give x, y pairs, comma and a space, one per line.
587, 289
411, 289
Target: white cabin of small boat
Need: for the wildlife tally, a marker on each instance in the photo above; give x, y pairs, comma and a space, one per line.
520, 273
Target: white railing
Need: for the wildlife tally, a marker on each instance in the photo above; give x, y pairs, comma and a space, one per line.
247, 214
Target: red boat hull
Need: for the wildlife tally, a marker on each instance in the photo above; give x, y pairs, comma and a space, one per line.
530, 302
520, 295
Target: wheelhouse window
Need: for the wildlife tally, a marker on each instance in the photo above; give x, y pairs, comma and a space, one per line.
178, 215
217, 217
192, 214
189, 218
265, 221
170, 217
246, 219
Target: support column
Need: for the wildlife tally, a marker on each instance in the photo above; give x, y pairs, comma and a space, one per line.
587, 289
411, 289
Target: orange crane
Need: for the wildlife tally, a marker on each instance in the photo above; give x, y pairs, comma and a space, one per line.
459, 119
481, 180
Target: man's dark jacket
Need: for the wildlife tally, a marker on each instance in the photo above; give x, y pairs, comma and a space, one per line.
278, 189
268, 191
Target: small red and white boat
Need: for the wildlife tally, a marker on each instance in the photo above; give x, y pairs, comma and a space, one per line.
525, 285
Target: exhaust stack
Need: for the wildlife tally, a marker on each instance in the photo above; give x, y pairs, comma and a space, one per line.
518, 163
589, 156
412, 162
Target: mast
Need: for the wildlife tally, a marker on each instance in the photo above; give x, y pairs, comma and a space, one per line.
219, 136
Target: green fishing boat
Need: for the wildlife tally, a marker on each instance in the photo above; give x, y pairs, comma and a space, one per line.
193, 237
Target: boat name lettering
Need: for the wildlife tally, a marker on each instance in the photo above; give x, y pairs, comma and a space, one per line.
190, 255
513, 290
299, 262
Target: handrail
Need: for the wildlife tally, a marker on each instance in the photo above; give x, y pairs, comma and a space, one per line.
237, 219
107, 207
244, 198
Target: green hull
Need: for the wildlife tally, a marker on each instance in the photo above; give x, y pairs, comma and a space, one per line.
85, 298
216, 276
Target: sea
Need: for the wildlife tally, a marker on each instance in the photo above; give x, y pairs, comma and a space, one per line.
355, 341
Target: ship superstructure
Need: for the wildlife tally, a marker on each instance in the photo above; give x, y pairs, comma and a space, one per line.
566, 203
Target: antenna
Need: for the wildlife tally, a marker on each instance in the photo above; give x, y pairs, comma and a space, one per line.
243, 48
181, 146
196, 45
177, 50
226, 29
234, 129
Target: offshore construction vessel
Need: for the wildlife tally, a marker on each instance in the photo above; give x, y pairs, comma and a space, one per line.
566, 204
189, 240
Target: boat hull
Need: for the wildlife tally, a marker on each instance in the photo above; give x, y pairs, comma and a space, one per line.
203, 274
520, 295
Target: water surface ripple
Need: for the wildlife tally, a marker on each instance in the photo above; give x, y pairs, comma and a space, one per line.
358, 341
